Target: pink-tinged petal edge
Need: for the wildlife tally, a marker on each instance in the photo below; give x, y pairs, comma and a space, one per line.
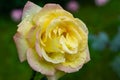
30, 9
51, 6
37, 45
38, 49
21, 45
45, 10
38, 64
68, 69
88, 55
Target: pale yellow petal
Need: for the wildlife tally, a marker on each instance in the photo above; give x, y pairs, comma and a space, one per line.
21, 45
49, 55
68, 69
31, 36
48, 13
65, 47
38, 49
52, 45
81, 25
44, 13
53, 57
39, 64
30, 9
88, 55
71, 28
73, 62
25, 26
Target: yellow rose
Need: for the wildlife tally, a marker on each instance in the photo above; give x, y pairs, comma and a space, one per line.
51, 39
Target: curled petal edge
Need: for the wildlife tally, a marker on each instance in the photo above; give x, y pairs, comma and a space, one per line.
30, 9
21, 45
88, 55
69, 69
38, 64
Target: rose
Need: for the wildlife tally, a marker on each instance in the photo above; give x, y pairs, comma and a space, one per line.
51, 40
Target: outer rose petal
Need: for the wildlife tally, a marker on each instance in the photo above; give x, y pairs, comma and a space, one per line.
68, 69
45, 10
88, 55
39, 64
51, 7
21, 45
30, 9
55, 58
73, 66
31, 36
24, 27
81, 25
49, 12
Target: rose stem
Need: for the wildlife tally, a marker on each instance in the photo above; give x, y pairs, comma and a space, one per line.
33, 75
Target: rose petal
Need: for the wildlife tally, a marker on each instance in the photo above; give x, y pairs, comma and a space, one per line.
81, 25
70, 25
38, 49
30, 9
31, 36
24, 27
39, 64
21, 45
68, 69
88, 55
50, 57
73, 62
49, 12
52, 45
51, 7
63, 42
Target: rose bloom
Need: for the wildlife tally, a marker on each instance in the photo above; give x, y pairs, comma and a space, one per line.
52, 40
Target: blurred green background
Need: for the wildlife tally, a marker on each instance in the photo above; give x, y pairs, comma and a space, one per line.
102, 18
